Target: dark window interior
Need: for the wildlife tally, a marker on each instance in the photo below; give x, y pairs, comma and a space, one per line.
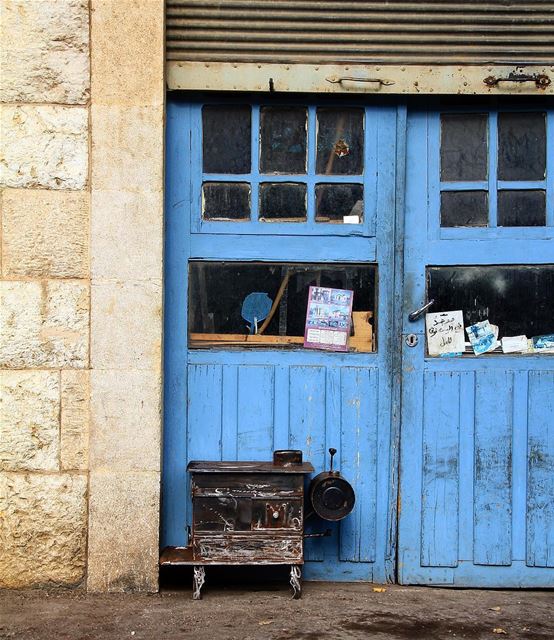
227, 140
283, 201
521, 146
226, 200
217, 291
517, 298
340, 141
464, 209
521, 208
464, 154
283, 139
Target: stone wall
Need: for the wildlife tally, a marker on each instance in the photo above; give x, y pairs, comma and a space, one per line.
81, 208
45, 291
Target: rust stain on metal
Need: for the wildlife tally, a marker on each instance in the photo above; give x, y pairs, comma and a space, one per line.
541, 80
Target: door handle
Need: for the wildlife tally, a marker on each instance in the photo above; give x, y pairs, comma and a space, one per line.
415, 315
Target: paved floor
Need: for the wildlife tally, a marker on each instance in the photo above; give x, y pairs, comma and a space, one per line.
329, 611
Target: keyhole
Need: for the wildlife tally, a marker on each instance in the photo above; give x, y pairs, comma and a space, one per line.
411, 340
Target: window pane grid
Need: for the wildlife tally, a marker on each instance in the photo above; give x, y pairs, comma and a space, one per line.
494, 185
311, 179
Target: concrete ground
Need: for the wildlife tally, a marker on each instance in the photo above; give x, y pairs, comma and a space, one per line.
252, 610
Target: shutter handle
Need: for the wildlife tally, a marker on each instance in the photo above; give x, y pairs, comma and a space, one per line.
541, 80
341, 79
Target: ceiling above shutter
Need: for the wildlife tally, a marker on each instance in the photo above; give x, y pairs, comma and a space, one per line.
509, 37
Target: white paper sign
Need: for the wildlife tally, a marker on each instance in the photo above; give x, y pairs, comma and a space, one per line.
445, 332
514, 344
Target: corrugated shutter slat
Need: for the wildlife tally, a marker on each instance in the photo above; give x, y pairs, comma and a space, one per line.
394, 32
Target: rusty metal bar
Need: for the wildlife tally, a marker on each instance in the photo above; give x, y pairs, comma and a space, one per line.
394, 79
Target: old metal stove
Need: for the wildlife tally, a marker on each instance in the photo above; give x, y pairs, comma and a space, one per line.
246, 513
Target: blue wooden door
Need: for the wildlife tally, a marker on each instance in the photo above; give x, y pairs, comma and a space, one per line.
477, 438
227, 402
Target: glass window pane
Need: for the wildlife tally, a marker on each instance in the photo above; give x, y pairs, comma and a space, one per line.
464, 209
281, 201
464, 149
283, 140
335, 201
226, 201
226, 131
218, 290
517, 298
521, 208
521, 146
340, 141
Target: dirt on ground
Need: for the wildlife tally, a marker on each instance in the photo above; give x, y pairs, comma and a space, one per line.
254, 610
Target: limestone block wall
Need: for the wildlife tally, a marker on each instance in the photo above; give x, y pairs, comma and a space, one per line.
45, 291
81, 220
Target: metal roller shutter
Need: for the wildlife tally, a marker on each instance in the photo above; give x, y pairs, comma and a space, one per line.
371, 32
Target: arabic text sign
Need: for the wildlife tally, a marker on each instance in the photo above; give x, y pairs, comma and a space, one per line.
445, 332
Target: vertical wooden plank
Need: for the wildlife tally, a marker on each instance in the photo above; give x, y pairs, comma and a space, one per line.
174, 515
492, 530
358, 461
519, 464
255, 412
307, 429
307, 413
229, 412
467, 447
205, 386
540, 491
439, 510
281, 407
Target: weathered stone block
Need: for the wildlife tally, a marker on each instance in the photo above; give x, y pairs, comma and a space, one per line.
132, 311
75, 418
44, 146
126, 148
123, 531
44, 51
43, 526
135, 217
44, 324
140, 26
45, 233
128, 440
29, 424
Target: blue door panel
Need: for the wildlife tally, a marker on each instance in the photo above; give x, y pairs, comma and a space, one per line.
243, 404
231, 410
477, 434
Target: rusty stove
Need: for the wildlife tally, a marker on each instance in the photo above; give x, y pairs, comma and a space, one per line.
253, 513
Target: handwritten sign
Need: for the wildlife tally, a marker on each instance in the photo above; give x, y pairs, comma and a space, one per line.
445, 332
328, 319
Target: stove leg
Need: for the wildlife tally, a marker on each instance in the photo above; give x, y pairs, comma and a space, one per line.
295, 581
198, 582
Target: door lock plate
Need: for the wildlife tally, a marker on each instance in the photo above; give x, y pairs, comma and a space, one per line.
412, 340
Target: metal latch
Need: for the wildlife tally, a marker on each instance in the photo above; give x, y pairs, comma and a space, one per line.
541, 80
